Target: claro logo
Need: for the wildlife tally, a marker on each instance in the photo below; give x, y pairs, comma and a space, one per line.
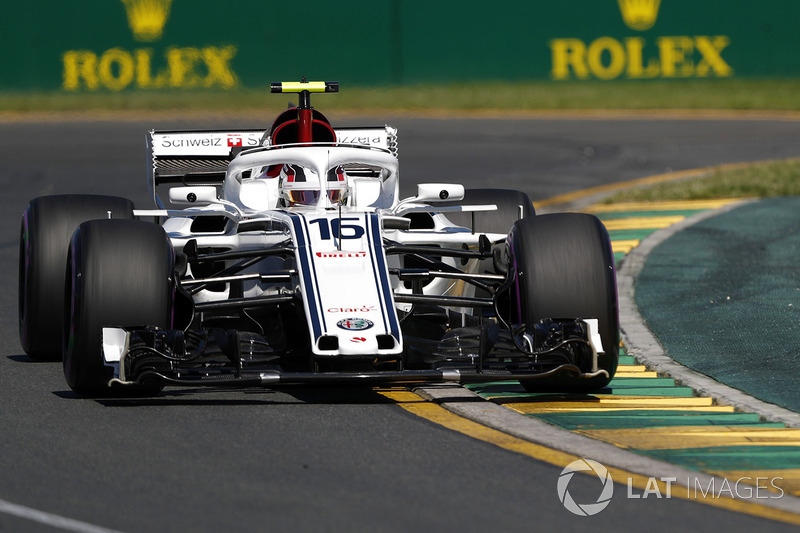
174, 67
637, 57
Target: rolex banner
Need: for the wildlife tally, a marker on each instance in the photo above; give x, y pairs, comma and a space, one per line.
144, 45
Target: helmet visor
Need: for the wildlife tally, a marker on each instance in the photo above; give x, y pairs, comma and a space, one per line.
302, 196
337, 196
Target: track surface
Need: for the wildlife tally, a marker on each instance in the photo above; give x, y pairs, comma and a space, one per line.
316, 458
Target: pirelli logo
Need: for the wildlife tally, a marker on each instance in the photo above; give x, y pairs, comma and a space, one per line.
340, 255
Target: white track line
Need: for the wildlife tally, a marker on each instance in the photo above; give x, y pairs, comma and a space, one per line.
50, 519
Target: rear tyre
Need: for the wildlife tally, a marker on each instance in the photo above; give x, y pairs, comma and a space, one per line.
511, 206
119, 273
565, 269
46, 229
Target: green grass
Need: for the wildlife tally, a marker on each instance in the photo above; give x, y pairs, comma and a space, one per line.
759, 180
738, 94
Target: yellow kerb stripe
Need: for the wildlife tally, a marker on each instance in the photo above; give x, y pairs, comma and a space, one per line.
674, 205
641, 223
624, 246
677, 438
637, 374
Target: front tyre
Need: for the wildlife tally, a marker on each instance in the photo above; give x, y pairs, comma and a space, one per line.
119, 273
565, 269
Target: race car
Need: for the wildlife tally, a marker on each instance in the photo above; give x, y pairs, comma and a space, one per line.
285, 255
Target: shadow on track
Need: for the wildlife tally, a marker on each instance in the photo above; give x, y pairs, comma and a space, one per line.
288, 395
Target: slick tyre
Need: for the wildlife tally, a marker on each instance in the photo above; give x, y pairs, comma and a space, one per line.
119, 273
565, 269
47, 226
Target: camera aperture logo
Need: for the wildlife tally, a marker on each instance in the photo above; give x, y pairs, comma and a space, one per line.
585, 509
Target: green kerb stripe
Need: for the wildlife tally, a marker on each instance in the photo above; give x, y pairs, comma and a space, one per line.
637, 214
731, 458
646, 419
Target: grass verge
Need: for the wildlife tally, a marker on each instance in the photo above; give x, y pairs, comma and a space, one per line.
738, 94
759, 180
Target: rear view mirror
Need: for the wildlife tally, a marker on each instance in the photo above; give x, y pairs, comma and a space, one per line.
439, 192
194, 196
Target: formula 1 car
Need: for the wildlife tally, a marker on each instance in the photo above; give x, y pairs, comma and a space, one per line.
286, 256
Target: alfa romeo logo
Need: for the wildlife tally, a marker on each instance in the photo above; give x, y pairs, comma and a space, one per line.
355, 324
585, 509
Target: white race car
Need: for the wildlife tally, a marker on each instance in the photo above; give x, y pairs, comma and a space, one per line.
286, 256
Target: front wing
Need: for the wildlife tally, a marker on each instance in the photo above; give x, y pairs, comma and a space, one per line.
557, 351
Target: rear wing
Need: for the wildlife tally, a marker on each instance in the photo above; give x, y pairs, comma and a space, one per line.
177, 158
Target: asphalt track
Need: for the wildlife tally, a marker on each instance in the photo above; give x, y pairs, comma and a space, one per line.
316, 459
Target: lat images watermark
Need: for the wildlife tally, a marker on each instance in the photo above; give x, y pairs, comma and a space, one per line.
746, 487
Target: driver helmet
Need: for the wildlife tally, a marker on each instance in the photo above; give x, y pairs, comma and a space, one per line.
298, 185
337, 186
301, 186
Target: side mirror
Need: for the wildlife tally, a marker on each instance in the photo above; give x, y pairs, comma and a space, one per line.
193, 196
439, 192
